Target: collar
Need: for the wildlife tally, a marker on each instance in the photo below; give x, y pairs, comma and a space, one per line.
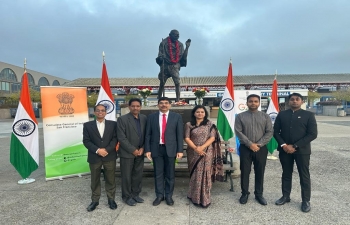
161, 114
104, 121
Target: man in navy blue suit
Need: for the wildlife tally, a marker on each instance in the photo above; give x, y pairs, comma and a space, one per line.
164, 143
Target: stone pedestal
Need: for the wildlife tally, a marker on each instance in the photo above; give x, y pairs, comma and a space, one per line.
184, 111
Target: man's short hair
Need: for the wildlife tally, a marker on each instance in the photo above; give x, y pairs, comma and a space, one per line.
135, 100
295, 94
99, 105
252, 96
164, 99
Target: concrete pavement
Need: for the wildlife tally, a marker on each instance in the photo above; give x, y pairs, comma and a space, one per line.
65, 202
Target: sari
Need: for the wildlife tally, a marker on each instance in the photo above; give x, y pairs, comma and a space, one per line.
204, 170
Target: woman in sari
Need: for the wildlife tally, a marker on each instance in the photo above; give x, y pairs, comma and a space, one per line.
203, 156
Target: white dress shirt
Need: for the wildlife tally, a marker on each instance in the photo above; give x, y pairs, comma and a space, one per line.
161, 123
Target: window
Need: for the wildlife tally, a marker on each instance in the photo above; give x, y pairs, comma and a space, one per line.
8, 74
43, 82
30, 79
55, 83
5, 86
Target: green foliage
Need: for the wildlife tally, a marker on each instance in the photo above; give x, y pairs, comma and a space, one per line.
92, 99
343, 94
313, 95
128, 97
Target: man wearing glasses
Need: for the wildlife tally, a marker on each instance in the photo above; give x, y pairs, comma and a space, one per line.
100, 138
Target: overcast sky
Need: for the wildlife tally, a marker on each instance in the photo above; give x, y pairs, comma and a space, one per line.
65, 38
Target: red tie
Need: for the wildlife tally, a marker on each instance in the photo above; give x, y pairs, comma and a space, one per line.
163, 128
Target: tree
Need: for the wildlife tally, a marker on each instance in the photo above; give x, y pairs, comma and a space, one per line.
312, 95
92, 99
342, 94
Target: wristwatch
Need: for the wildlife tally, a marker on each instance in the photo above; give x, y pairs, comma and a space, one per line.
295, 146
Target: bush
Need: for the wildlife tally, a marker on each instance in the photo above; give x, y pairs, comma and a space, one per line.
334, 102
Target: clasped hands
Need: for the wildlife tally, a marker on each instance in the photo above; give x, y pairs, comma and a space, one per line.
289, 149
138, 152
102, 152
255, 147
200, 150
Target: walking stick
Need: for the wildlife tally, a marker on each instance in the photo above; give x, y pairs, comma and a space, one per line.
163, 55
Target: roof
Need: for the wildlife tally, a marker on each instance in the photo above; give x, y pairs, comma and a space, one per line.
342, 78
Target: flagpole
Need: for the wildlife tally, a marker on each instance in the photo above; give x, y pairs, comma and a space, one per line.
270, 156
27, 180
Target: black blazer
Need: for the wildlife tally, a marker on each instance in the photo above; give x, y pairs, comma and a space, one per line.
92, 140
173, 134
295, 128
127, 134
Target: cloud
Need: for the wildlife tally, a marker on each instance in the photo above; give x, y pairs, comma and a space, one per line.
66, 38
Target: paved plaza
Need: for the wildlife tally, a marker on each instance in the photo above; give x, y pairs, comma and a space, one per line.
65, 202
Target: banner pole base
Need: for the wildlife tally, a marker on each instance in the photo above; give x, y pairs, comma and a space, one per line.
26, 181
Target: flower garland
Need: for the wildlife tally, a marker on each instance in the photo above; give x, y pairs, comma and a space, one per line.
177, 54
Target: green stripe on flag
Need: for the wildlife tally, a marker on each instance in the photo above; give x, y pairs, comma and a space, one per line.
223, 126
21, 159
272, 145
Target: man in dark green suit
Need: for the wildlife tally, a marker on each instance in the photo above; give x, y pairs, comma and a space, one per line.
131, 136
294, 129
100, 138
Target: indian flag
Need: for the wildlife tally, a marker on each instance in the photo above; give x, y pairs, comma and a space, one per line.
24, 149
226, 114
272, 111
105, 96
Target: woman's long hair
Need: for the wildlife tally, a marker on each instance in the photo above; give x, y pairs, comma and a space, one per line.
193, 118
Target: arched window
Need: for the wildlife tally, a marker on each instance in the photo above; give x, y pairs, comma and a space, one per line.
55, 83
8, 74
43, 82
30, 79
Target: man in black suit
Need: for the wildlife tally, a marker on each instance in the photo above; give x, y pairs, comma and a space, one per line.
164, 143
131, 136
294, 129
100, 138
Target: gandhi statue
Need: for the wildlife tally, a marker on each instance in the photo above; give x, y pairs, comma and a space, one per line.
171, 57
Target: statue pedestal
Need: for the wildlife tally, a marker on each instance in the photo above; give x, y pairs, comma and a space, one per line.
184, 111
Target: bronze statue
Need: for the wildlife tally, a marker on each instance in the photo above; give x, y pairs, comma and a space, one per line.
171, 57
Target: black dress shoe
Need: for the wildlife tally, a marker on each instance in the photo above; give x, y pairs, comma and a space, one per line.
138, 199
261, 200
112, 204
244, 199
282, 200
130, 201
305, 206
92, 206
169, 201
157, 201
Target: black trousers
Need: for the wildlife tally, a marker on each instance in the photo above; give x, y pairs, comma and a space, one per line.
110, 186
247, 157
164, 173
131, 170
303, 163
